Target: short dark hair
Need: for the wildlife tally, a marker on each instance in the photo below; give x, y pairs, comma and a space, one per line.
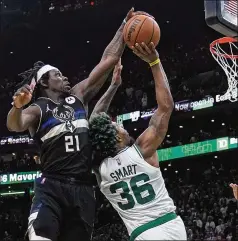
28, 75
103, 136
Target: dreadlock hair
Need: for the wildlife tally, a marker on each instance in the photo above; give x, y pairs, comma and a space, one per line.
28, 75
103, 136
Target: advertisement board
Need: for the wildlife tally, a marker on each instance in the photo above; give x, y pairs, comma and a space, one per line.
167, 154
198, 148
19, 177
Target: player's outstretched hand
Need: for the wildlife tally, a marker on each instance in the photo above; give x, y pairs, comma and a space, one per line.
132, 13
22, 97
116, 78
235, 190
148, 53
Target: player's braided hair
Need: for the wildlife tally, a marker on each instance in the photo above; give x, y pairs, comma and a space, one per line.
103, 136
28, 75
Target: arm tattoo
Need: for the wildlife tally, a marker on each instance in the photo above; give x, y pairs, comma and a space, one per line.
165, 78
162, 89
105, 101
160, 123
114, 50
117, 45
92, 90
159, 119
153, 121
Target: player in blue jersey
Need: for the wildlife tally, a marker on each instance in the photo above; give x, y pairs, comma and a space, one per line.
64, 204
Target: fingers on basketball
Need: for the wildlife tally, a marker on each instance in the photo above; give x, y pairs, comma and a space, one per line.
146, 48
141, 49
135, 51
130, 14
152, 47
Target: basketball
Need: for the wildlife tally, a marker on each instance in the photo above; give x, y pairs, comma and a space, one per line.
140, 29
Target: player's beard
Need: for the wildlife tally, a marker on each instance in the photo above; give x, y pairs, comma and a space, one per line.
64, 95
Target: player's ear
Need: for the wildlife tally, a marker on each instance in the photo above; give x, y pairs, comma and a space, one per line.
118, 137
42, 82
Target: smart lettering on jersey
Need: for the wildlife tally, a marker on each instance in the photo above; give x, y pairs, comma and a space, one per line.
123, 172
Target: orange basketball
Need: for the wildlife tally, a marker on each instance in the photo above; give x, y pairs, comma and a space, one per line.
140, 29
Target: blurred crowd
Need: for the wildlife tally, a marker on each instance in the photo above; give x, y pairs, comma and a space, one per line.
13, 214
71, 5
50, 7
181, 65
207, 207
19, 163
189, 135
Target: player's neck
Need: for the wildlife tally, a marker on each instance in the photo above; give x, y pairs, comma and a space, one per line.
121, 146
55, 96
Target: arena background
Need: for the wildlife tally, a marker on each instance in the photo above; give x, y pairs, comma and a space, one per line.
199, 154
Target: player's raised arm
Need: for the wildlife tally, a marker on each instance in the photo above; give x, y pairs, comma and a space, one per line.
105, 101
20, 120
153, 136
89, 87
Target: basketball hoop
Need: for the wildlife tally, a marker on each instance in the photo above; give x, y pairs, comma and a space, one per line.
228, 61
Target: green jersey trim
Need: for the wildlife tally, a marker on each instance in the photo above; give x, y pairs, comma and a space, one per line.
159, 221
137, 148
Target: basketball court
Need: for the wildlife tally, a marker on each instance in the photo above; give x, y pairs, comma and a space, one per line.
222, 17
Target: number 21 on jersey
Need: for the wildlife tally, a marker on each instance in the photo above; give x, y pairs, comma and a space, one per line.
72, 143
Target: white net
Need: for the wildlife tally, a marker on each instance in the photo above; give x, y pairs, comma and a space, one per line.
228, 61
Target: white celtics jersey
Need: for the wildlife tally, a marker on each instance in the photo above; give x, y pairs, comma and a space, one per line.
134, 188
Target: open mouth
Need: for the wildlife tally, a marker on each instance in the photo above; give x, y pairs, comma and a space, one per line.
67, 85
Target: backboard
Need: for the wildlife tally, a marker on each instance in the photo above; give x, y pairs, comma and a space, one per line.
221, 15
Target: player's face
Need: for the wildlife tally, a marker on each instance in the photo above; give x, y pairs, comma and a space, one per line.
57, 82
122, 133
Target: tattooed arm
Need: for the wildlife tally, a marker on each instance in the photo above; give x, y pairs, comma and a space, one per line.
89, 87
153, 136
105, 101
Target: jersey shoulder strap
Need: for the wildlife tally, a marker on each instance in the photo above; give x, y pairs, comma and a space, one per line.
40, 103
80, 98
45, 105
137, 157
138, 150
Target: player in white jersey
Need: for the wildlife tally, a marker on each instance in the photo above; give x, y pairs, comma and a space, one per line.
129, 175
